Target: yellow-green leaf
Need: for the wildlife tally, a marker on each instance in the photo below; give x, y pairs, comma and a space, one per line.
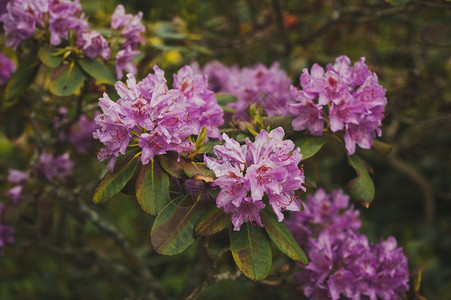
66, 79
21, 79
173, 229
50, 56
310, 145
361, 188
282, 237
251, 251
182, 168
224, 99
213, 221
114, 182
152, 188
382, 148
200, 141
97, 70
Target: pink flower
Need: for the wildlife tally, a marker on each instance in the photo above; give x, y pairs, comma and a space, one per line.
94, 44
247, 174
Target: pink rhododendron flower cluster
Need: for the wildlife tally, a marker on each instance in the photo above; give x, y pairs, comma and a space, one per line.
247, 173
203, 109
23, 17
343, 263
50, 166
349, 95
54, 167
159, 119
131, 31
80, 134
256, 85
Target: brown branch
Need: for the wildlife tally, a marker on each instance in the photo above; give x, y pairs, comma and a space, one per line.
147, 279
210, 276
416, 177
111, 269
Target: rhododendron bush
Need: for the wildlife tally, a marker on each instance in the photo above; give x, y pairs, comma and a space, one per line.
141, 157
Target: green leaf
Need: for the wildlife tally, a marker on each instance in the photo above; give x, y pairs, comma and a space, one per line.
209, 146
310, 145
66, 79
224, 99
50, 56
14, 123
22, 79
360, 188
213, 221
152, 188
282, 237
227, 109
251, 251
198, 170
200, 140
97, 70
274, 122
310, 182
183, 168
173, 229
171, 166
168, 31
382, 148
114, 182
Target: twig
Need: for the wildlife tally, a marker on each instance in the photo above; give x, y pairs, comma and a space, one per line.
147, 278
83, 256
222, 276
120, 240
415, 176
280, 24
37, 133
210, 276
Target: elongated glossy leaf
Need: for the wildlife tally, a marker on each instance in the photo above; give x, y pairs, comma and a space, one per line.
282, 237
183, 168
200, 141
224, 99
213, 221
66, 79
97, 70
22, 79
168, 31
310, 145
360, 188
251, 251
14, 123
173, 229
49, 57
171, 166
114, 182
382, 148
310, 182
209, 146
152, 188
193, 169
